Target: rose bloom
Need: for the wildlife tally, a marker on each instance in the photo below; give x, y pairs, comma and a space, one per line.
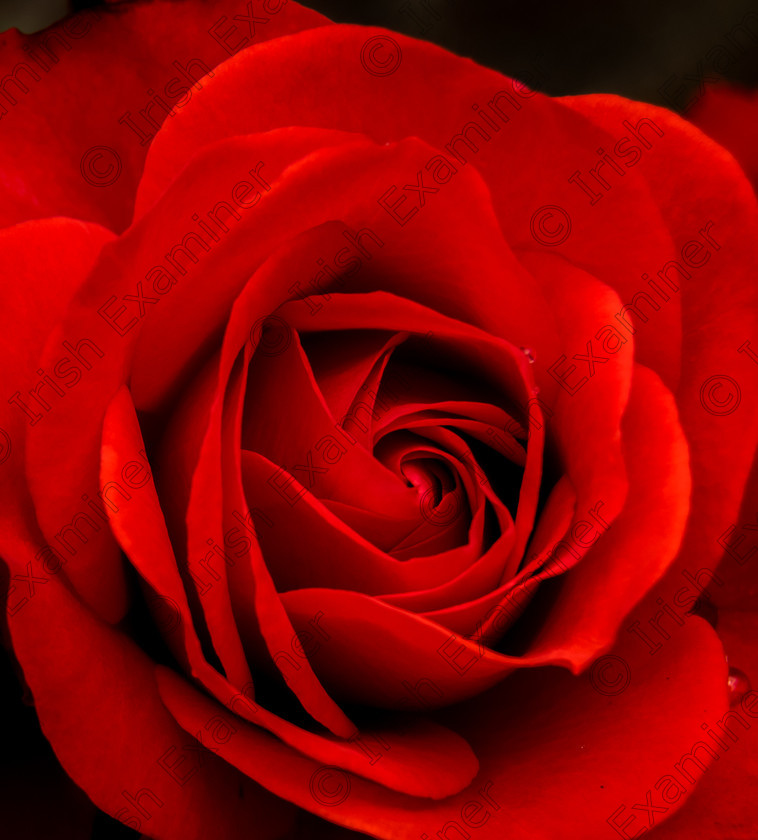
374, 429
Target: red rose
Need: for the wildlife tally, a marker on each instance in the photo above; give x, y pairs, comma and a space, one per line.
373, 431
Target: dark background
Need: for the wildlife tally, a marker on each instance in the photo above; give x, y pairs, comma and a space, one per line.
636, 48
629, 47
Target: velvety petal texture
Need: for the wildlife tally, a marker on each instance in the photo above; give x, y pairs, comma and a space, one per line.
86, 162
354, 458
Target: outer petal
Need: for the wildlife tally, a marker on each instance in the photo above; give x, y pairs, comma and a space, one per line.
558, 757
90, 681
724, 803
84, 134
526, 146
717, 397
642, 542
48, 260
73, 441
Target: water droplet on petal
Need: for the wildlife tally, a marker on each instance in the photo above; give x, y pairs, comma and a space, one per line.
738, 685
529, 353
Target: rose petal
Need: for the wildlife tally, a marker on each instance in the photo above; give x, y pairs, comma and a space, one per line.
88, 166
420, 758
89, 680
518, 730
705, 198
49, 260
634, 552
721, 806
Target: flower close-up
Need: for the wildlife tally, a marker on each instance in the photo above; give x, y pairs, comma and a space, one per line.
377, 451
